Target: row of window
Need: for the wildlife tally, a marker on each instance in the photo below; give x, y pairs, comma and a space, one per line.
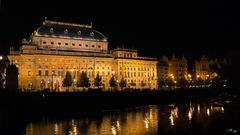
134, 74
61, 73
73, 44
51, 30
127, 55
137, 63
139, 69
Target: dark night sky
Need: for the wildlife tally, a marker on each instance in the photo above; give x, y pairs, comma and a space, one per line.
153, 27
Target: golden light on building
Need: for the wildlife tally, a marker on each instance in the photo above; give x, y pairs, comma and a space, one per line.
58, 47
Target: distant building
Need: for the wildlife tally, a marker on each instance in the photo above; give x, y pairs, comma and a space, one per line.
205, 69
174, 68
57, 47
177, 68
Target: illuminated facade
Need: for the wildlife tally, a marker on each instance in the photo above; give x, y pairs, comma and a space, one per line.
177, 68
56, 48
174, 68
204, 68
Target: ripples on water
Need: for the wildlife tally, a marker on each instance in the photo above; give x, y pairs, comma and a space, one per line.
144, 120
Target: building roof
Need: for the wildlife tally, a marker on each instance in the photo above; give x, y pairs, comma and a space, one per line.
68, 30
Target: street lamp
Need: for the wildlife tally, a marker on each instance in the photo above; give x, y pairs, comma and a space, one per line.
74, 82
113, 72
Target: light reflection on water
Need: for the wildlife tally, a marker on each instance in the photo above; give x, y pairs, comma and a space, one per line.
154, 119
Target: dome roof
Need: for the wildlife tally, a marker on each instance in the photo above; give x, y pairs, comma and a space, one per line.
69, 30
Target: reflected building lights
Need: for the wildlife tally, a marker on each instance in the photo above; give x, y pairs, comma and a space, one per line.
56, 129
146, 121
75, 132
114, 131
171, 120
222, 108
208, 111
118, 126
198, 108
173, 115
190, 113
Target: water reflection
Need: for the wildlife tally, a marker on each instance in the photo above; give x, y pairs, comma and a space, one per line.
173, 115
161, 119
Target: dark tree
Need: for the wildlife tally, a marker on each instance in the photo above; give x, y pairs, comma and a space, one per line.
161, 82
143, 84
83, 80
67, 80
169, 82
200, 81
123, 83
98, 81
112, 82
183, 83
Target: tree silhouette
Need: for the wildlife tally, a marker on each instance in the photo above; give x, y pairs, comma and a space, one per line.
98, 81
161, 82
67, 80
183, 82
169, 82
83, 80
143, 84
122, 83
112, 82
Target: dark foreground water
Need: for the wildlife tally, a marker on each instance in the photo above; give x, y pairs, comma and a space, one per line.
184, 118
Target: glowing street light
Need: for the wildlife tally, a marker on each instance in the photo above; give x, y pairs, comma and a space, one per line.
113, 72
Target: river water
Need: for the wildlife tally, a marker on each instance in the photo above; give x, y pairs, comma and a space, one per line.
184, 118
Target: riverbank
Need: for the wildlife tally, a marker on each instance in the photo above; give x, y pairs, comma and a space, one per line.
46, 101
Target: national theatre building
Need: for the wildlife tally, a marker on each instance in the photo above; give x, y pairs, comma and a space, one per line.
56, 48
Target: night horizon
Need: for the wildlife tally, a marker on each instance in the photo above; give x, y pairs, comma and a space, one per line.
166, 30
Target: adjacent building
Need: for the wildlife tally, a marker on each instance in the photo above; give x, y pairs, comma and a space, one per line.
173, 68
206, 68
56, 48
